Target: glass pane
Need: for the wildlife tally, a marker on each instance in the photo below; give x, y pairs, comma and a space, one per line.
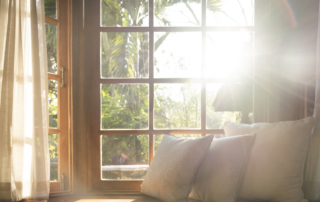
124, 157
124, 106
53, 151
124, 54
124, 13
50, 8
177, 13
229, 54
177, 54
53, 103
229, 102
158, 138
177, 106
51, 33
230, 12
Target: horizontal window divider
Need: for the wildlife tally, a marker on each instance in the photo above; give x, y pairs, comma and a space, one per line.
125, 29
160, 80
53, 76
158, 132
221, 80
54, 131
173, 80
173, 29
51, 20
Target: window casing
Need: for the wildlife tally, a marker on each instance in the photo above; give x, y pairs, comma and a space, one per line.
57, 12
204, 86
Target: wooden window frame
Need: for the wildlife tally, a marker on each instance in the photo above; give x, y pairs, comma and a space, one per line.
92, 32
63, 130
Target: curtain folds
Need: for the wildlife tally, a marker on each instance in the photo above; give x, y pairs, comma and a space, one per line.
24, 155
312, 177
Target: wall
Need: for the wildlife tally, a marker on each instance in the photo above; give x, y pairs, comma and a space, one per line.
293, 35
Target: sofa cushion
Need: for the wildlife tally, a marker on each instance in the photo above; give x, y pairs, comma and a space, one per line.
219, 176
276, 165
172, 169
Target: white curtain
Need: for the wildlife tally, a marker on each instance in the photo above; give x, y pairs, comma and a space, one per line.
24, 155
312, 177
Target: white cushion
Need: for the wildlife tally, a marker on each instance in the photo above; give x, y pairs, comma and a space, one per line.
172, 169
276, 165
219, 176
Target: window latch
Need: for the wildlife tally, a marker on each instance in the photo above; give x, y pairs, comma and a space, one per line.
63, 182
62, 84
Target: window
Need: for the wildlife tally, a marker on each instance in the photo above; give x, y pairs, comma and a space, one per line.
58, 88
163, 67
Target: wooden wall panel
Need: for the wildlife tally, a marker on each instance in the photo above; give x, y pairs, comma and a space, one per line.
80, 143
292, 58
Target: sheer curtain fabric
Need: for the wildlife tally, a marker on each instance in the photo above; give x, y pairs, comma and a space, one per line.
312, 177
24, 156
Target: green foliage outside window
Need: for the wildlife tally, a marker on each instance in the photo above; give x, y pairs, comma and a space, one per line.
124, 106
50, 7
134, 148
126, 55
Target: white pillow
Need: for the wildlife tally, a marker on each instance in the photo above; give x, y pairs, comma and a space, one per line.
276, 165
172, 169
219, 176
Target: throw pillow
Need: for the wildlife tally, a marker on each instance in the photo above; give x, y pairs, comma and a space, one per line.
219, 176
171, 173
276, 165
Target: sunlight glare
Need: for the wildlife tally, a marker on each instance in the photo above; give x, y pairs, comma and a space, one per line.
228, 53
179, 56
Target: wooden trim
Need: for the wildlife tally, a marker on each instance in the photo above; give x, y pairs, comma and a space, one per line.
54, 187
144, 132
58, 8
79, 124
151, 148
53, 76
64, 97
203, 99
151, 12
51, 20
174, 29
151, 77
64, 101
151, 70
203, 14
92, 89
172, 80
203, 109
70, 95
54, 131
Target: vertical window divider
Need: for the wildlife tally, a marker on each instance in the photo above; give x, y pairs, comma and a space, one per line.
203, 87
151, 78
203, 61
203, 13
